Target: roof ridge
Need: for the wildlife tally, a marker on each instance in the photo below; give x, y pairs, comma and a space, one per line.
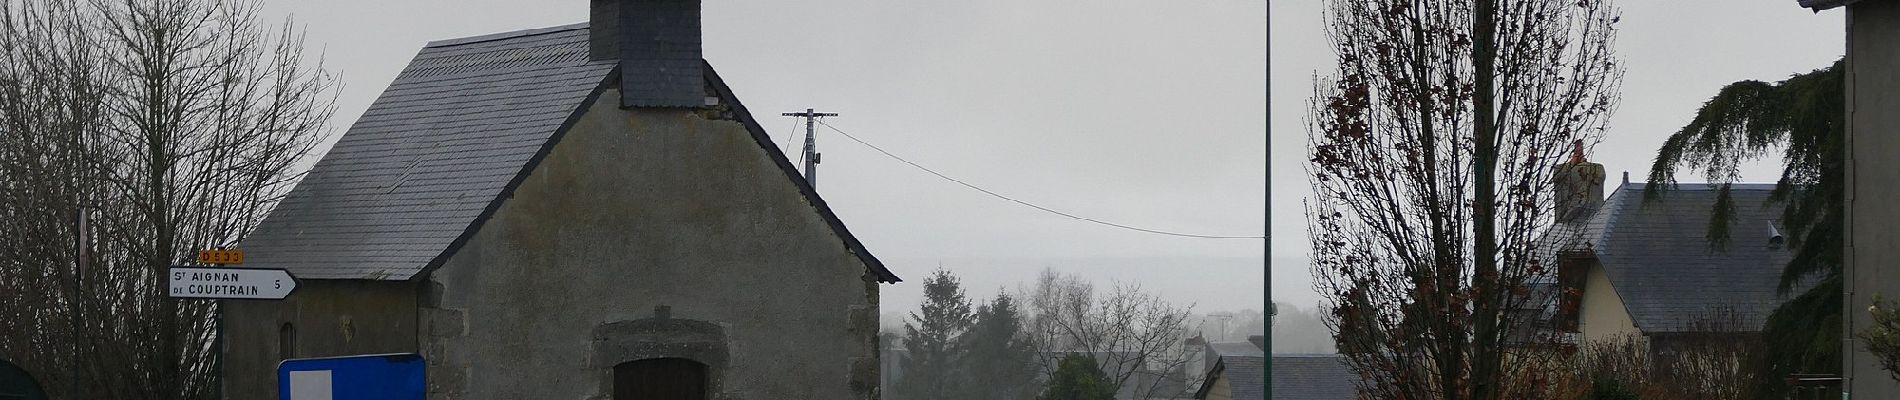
505, 35
1704, 186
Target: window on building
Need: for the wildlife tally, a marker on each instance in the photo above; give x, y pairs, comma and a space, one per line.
660, 378
286, 341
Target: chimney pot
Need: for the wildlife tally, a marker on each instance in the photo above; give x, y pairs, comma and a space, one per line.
1578, 187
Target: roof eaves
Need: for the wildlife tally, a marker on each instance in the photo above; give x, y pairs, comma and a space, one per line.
851, 242
1207, 384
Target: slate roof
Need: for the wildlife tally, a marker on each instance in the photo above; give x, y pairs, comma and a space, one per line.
1669, 276
1295, 376
1233, 348
442, 147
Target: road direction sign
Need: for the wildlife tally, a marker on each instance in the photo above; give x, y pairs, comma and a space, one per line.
368, 377
231, 283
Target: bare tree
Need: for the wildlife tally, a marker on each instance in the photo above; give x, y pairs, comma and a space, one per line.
171, 126
1433, 147
1138, 339
1711, 359
1714, 358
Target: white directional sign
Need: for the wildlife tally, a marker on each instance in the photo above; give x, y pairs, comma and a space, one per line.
231, 283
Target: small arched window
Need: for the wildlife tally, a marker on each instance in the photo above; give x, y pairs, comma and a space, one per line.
286, 341
660, 378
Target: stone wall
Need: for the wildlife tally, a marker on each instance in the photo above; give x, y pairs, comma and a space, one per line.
652, 233
326, 319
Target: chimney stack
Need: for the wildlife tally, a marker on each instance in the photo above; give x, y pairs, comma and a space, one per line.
657, 44
1578, 186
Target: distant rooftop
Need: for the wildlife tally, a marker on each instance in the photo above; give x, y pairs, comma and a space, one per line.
1302, 376
1669, 275
1234, 348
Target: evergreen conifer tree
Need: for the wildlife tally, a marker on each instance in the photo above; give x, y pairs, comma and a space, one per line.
1805, 117
1078, 378
998, 362
930, 371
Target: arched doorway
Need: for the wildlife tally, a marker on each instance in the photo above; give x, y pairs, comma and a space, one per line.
660, 379
15, 384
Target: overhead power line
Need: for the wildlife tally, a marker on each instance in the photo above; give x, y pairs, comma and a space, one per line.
1025, 203
791, 134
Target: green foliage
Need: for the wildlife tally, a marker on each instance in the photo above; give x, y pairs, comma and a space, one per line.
998, 361
1078, 377
957, 354
945, 315
1883, 337
1804, 116
1811, 320
1606, 388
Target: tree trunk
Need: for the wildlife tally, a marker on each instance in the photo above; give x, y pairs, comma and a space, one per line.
1485, 358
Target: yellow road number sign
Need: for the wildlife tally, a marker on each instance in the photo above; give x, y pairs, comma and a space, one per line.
221, 257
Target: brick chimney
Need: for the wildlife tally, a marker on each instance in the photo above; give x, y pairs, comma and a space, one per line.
657, 44
1578, 186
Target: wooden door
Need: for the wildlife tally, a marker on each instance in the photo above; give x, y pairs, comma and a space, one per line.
660, 379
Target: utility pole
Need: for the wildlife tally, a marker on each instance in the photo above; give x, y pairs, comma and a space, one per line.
811, 146
82, 242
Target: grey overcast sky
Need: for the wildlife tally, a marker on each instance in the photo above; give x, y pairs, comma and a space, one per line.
1677, 54
1144, 112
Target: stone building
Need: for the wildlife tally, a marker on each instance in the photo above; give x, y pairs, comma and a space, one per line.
1873, 78
566, 213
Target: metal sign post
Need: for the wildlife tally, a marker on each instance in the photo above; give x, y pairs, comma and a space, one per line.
231, 283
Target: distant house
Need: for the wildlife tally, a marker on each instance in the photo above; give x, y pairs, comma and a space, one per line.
1145, 384
1235, 377
1211, 352
577, 212
1295, 376
1871, 259
891, 358
1646, 268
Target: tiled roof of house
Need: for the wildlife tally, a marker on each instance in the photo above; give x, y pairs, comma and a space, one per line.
430, 156
1246, 376
1234, 348
1295, 376
440, 150
1670, 277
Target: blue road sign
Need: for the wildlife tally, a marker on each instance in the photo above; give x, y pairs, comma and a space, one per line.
369, 377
